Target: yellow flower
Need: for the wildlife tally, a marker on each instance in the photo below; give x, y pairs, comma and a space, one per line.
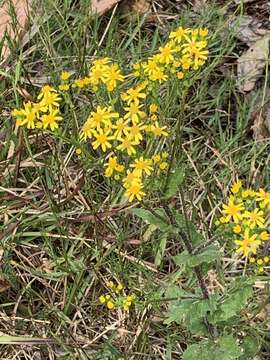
163, 165
65, 75
112, 76
260, 261
110, 305
102, 117
127, 144
131, 177
237, 229
112, 165
119, 287
266, 259
165, 55
134, 132
255, 218
233, 210
159, 131
121, 127
156, 158
252, 260
158, 75
26, 116
236, 186
248, 244
64, 87
264, 198
102, 140
150, 67
203, 32
100, 62
87, 130
142, 165
260, 269
51, 120
49, 97
102, 299
153, 108
133, 112
110, 284
78, 151
179, 34
135, 191
134, 94
248, 193
264, 236
180, 75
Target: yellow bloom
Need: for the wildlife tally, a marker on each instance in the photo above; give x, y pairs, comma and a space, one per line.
102, 299
110, 305
266, 259
248, 244
260, 261
133, 112
179, 33
63, 87
180, 75
165, 55
134, 191
110, 284
248, 193
121, 127
255, 218
65, 75
236, 186
260, 269
163, 165
134, 132
112, 165
159, 131
127, 144
150, 67
237, 229
102, 139
87, 130
112, 76
156, 158
49, 97
134, 94
131, 177
158, 75
252, 260
203, 32
153, 108
102, 117
233, 210
264, 236
142, 165
51, 120
264, 198
26, 116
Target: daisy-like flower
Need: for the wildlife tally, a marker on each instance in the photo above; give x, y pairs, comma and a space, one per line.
134, 94
142, 165
49, 98
233, 210
264, 198
121, 127
158, 131
134, 191
87, 130
102, 139
112, 76
51, 120
179, 34
128, 145
150, 67
102, 117
165, 55
65, 75
248, 244
112, 165
236, 186
133, 112
135, 132
159, 76
26, 116
131, 177
254, 218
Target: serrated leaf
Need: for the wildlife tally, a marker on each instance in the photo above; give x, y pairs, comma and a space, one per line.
225, 348
150, 218
234, 303
175, 180
209, 255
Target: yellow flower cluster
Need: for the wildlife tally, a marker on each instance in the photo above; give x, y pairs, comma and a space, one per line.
117, 297
244, 215
42, 114
260, 263
125, 127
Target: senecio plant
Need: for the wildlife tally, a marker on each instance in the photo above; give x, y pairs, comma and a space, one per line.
125, 126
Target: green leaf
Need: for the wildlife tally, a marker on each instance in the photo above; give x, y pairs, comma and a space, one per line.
150, 218
175, 180
251, 346
190, 229
233, 303
210, 254
225, 348
161, 249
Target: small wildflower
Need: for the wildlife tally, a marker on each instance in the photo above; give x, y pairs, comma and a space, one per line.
264, 236
259, 261
236, 187
237, 229
252, 260
260, 269
266, 259
163, 165
110, 305
65, 75
233, 210
102, 299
